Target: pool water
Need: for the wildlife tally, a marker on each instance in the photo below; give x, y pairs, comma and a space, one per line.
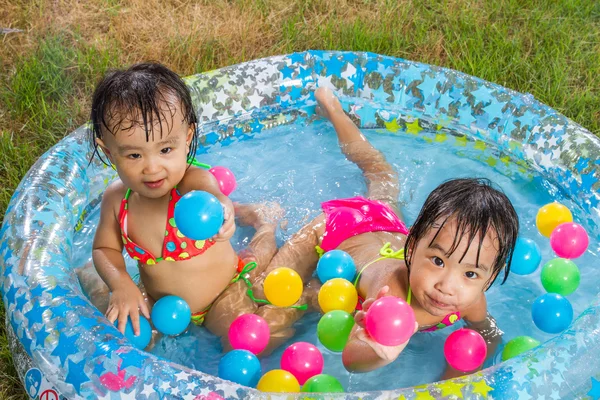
300, 167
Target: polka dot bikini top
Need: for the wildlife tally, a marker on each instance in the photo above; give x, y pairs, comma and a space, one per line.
176, 247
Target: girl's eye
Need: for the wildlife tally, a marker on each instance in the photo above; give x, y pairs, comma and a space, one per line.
471, 275
437, 261
166, 150
134, 156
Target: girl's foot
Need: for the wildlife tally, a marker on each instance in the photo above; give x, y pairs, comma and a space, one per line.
258, 214
329, 105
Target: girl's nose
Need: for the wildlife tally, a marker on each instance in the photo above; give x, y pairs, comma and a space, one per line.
151, 166
447, 285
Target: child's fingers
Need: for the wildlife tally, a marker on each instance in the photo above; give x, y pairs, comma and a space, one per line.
359, 318
143, 306
111, 314
383, 291
135, 321
123, 321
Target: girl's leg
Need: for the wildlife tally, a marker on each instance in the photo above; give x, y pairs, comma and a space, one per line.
234, 301
381, 178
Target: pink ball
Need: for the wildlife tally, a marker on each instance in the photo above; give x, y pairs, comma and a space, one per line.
465, 350
249, 332
303, 360
569, 240
226, 179
390, 321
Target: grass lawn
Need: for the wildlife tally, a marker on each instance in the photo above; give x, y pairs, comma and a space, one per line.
53, 51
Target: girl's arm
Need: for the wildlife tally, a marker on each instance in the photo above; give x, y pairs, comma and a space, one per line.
362, 353
107, 254
201, 179
480, 320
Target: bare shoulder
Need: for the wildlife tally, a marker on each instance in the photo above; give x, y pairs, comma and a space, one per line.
114, 193
198, 179
477, 312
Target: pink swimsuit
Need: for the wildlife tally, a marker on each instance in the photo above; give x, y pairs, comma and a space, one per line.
356, 215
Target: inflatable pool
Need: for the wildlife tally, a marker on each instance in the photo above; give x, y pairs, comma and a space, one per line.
63, 346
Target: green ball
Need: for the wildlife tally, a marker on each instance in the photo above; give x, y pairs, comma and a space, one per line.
518, 345
334, 328
561, 276
322, 383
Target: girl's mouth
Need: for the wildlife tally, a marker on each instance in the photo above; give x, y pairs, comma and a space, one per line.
155, 184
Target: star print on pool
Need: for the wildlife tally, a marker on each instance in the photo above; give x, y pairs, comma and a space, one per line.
594, 392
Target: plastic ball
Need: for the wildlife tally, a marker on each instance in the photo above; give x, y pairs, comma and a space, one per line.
526, 257
561, 276
518, 345
334, 329
240, 366
322, 383
569, 240
226, 179
198, 215
338, 294
249, 332
143, 339
550, 216
171, 315
552, 313
465, 350
390, 321
336, 264
278, 381
283, 287
303, 360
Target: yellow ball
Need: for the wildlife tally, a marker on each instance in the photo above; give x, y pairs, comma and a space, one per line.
550, 216
283, 287
338, 294
279, 381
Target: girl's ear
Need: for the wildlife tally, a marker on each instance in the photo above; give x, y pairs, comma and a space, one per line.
190, 135
105, 149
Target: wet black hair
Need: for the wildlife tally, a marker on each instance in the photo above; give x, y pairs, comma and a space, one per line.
138, 95
477, 207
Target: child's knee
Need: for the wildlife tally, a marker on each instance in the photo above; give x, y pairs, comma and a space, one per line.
227, 307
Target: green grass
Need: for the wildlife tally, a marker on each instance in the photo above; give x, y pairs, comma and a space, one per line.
550, 49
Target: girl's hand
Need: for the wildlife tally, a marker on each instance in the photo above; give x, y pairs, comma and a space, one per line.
228, 228
388, 353
127, 300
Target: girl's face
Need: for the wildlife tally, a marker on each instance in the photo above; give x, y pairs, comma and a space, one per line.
444, 283
151, 167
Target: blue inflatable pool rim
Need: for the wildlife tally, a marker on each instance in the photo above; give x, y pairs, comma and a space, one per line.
53, 327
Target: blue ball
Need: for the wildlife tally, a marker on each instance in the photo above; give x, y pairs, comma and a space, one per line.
143, 339
552, 313
526, 257
240, 366
336, 264
199, 215
171, 315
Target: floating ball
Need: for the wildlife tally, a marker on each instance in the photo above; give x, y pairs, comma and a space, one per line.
283, 287
552, 313
198, 215
569, 240
338, 294
143, 339
226, 179
336, 264
240, 366
171, 315
303, 360
518, 345
526, 257
390, 321
249, 332
550, 216
322, 383
334, 329
278, 381
465, 350
561, 276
